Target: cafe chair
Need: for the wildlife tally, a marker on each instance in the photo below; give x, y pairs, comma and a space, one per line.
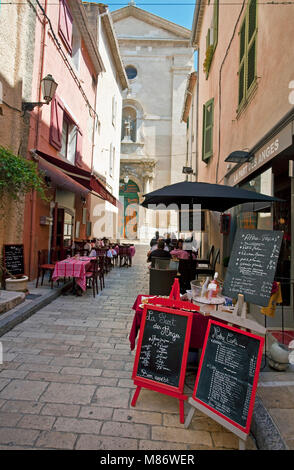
187, 270
124, 255
210, 269
101, 270
161, 281
46, 262
208, 259
92, 274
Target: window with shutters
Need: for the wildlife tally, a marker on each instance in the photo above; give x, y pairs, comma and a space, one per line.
114, 111
69, 140
207, 140
247, 56
65, 135
65, 24
211, 38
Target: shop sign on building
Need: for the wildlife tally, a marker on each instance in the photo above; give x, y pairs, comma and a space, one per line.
270, 150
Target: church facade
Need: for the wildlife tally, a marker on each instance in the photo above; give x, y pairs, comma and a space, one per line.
158, 59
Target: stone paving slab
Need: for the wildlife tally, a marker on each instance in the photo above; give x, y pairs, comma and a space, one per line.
66, 379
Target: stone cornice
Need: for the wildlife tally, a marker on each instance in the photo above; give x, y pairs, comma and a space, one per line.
80, 18
146, 41
197, 23
113, 43
191, 82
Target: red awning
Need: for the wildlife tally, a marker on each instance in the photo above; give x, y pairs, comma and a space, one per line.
82, 176
60, 179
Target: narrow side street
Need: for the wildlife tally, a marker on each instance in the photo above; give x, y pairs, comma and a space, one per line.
66, 380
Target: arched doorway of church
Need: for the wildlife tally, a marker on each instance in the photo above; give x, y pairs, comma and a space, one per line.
129, 220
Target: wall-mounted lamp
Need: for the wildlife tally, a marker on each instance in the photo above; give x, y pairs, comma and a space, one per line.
48, 85
187, 170
239, 156
126, 179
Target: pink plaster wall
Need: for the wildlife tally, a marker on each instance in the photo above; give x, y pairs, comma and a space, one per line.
67, 90
275, 58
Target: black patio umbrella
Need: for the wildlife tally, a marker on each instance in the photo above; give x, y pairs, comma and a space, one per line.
215, 197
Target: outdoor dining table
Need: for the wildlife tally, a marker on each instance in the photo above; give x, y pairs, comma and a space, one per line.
74, 267
199, 325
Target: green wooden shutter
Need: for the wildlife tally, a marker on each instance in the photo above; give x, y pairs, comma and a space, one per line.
242, 61
247, 61
251, 45
207, 143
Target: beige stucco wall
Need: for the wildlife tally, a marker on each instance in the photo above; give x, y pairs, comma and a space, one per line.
17, 23
108, 130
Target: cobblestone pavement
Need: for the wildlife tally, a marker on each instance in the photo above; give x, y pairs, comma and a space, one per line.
66, 379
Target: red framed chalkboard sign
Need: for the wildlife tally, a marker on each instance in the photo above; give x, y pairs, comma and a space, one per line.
227, 377
162, 352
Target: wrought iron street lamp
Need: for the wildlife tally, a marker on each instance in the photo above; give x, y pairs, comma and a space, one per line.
48, 86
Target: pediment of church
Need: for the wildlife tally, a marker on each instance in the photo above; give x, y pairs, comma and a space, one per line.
132, 22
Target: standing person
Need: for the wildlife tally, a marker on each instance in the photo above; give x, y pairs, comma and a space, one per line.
155, 239
160, 252
168, 241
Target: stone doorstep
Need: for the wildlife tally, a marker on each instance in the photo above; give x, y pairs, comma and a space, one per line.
18, 315
10, 299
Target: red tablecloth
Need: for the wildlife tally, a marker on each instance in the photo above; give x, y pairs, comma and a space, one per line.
73, 267
198, 330
132, 251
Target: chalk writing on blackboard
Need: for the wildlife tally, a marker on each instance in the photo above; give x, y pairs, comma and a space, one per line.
162, 347
228, 373
14, 259
252, 265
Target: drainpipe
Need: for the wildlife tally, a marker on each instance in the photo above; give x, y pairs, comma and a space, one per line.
33, 197
291, 174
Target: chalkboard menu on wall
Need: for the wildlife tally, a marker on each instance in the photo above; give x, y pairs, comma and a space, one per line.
163, 346
252, 265
14, 259
228, 373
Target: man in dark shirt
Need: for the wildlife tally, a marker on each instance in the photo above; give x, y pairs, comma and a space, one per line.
155, 239
160, 252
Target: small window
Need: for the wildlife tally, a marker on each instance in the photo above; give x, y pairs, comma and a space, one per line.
69, 140
131, 72
111, 159
114, 110
65, 24
76, 47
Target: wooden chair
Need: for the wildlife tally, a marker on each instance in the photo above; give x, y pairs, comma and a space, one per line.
92, 274
187, 270
101, 270
210, 269
124, 254
208, 259
45, 263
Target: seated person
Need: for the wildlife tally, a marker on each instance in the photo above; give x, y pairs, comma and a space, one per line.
99, 244
154, 247
160, 252
92, 251
178, 252
87, 245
